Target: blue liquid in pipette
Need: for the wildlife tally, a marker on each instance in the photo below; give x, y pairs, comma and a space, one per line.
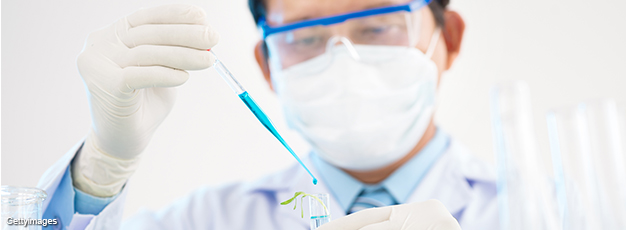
268, 125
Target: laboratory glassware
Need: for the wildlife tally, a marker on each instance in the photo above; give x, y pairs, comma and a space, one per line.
252, 105
587, 151
319, 209
21, 203
525, 192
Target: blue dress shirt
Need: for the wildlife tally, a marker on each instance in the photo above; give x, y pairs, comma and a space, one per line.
68, 200
400, 184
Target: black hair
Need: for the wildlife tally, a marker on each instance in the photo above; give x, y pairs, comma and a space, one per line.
257, 8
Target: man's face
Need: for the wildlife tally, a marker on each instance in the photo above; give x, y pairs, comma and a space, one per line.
287, 11
326, 113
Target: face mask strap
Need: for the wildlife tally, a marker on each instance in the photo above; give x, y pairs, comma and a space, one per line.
433, 42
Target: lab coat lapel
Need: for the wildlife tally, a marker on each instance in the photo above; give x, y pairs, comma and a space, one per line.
52, 177
446, 182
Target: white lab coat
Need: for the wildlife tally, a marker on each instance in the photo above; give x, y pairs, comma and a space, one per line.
457, 179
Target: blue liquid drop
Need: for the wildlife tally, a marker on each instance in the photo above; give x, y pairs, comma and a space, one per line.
256, 110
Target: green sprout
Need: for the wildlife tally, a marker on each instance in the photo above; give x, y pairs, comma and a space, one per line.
295, 196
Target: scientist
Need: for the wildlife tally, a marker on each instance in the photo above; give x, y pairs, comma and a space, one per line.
356, 78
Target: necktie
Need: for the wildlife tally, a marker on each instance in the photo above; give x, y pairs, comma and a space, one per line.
371, 197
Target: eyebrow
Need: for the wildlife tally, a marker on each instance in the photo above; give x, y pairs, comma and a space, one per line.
372, 6
382, 4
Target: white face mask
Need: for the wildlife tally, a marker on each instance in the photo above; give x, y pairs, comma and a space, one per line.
361, 115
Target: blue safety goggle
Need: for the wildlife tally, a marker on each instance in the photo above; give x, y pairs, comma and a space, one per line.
268, 30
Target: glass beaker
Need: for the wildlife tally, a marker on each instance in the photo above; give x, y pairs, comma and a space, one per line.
319, 209
21, 203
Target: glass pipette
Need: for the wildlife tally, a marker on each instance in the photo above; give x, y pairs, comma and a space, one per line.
256, 110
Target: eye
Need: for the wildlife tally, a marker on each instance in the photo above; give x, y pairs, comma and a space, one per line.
376, 30
308, 41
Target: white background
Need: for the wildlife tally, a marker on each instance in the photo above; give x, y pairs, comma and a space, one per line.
567, 51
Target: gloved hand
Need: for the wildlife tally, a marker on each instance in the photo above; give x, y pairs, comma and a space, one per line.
427, 215
129, 69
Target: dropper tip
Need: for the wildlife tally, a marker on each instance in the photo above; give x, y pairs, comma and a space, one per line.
314, 181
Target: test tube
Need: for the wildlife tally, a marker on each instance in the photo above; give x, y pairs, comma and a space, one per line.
586, 143
572, 162
319, 209
525, 197
621, 112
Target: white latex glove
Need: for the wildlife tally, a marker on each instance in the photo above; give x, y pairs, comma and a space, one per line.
427, 215
129, 69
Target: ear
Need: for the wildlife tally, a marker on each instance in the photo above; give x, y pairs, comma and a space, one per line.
453, 35
260, 53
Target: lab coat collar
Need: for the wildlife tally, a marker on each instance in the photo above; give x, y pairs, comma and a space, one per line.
450, 179
341, 185
405, 179
50, 179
